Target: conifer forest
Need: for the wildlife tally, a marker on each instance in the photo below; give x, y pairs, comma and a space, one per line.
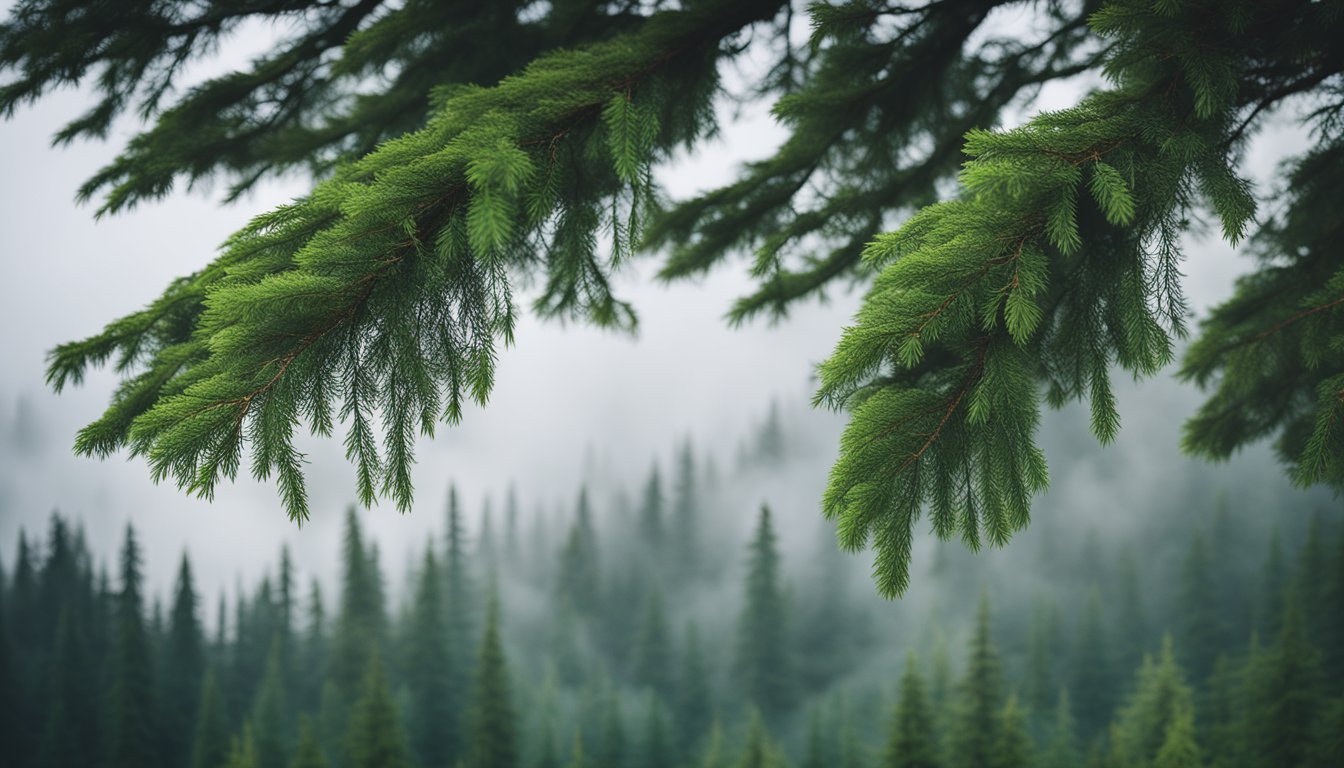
671, 384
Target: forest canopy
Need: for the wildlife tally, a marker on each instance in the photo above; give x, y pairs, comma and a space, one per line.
465, 153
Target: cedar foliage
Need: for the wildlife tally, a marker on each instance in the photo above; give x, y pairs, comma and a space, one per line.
379, 302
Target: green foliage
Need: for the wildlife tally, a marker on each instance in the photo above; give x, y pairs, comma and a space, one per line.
1161, 699
381, 296
1014, 747
653, 649
433, 721
184, 666
763, 665
359, 626
466, 152
131, 723
1284, 697
759, 751
693, 702
493, 732
976, 730
580, 578
375, 738
1062, 749
1179, 749
210, 740
980, 300
308, 754
270, 713
910, 742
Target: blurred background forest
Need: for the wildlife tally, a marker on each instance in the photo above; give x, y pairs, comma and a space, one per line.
702, 615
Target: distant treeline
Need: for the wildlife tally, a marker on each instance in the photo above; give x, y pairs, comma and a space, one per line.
640, 638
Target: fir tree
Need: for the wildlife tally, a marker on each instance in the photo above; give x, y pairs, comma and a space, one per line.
1179, 749
763, 664
975, 731
71, 733
579, 579
210, 738
270, 713
1093, 675
314, 647
693, 699
1160, 698
1013, 747
459, 625
1284, 697
1199, 630
651, 523
1222, 707
375, 739
308, 754
184, 666
22, 606
360, 621
243, 751
1062, 748
685, 516
910, 740
12, 739
714, 753
433, 725
493, 740
131, 704
653, 649
758, 752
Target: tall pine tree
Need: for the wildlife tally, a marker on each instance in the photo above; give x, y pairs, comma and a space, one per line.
131, 725
763, 665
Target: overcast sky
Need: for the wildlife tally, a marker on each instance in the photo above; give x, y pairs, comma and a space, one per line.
563, 393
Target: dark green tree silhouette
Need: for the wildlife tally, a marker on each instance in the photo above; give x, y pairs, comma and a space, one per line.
270, 713
131, 726
1199, 631
493, 732
911, 741
693, 702
460, 624
763, 665
359, 624
210, 737
1285, 698
653, 658
71, 735
183, 667
375, 738
1061, 750
432, 722
1013, 748
1160, 699
579, 579
308, 754
975, 730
